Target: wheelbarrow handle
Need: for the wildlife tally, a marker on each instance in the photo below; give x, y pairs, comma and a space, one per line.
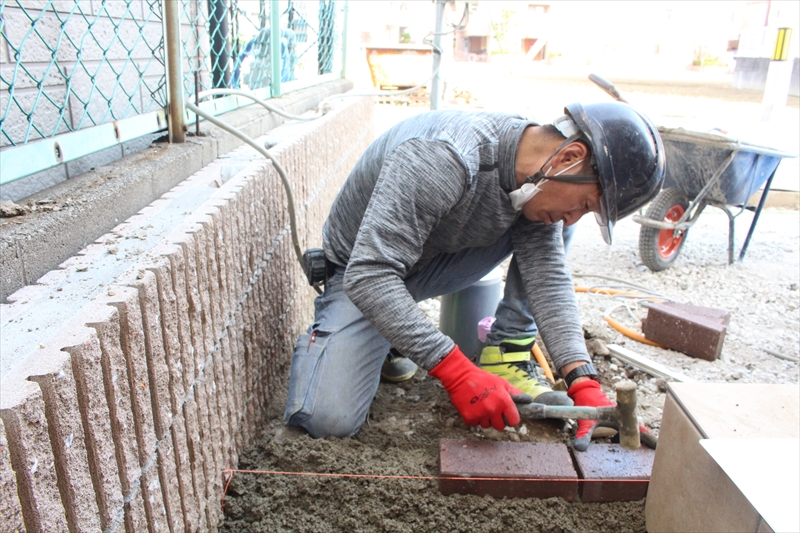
607, 86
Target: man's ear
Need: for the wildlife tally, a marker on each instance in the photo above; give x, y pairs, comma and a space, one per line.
571, 153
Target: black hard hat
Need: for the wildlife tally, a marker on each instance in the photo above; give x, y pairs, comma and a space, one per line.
627, 153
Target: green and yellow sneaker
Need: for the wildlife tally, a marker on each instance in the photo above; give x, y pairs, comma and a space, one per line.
397, 368
512, 362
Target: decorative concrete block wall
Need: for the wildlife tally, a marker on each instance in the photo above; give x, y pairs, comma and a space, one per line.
136, 373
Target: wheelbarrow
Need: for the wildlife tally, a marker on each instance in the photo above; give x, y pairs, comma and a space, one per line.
702, 169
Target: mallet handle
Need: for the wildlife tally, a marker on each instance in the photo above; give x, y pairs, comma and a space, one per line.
536, 411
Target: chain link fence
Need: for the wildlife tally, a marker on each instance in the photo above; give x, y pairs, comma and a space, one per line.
68, 65
227, 44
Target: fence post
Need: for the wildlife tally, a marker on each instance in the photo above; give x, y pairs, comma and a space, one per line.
172, 42
218, 30
325, 45
344, 38
275, 48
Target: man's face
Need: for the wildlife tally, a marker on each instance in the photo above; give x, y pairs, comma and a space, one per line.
563, 201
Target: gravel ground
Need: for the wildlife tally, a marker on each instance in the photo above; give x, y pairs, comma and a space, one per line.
406, 421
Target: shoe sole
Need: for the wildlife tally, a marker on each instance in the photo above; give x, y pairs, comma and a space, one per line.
398, 379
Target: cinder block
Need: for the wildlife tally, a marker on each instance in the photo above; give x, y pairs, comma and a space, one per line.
226, 395
610, 473
133, 346
506, 469
23, 413
105, 319
158, 373
694, 330
235, 399
193, 338
172, 349
234, 248
94, 406
195, 447
183, 465
202, 293
214, 287
10, 508
168, 315
187, 352
177, 271
150, 346
243, 431
66, 433
214, 438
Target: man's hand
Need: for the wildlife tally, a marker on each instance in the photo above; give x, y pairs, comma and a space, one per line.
480, 397
589, 394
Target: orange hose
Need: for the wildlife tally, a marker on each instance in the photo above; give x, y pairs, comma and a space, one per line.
613, 323
602, 290
537, 353
630, 333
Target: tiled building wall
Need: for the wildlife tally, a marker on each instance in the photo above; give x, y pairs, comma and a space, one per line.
126, 419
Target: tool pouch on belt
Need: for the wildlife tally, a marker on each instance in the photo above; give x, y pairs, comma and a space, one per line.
316, 266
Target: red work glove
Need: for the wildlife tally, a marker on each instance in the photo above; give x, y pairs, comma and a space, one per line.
480, 397
589, 394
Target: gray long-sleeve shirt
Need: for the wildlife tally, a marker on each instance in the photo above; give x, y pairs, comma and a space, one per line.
439, 183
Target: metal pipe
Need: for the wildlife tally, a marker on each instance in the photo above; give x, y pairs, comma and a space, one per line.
197, 102
172, 42
275, 49
325, 46
757, 214
344, 39
659, 224
220, 46
437, 55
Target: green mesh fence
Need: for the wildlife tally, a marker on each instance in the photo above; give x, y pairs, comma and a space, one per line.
228, 43
67, 65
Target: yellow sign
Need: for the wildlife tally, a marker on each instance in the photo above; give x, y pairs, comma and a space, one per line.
781, 52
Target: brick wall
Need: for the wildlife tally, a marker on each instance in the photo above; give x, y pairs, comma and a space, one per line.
123, 416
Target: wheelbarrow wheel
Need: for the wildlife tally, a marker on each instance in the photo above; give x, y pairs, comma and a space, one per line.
659, 248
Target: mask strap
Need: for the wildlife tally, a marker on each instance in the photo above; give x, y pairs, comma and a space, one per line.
541, 175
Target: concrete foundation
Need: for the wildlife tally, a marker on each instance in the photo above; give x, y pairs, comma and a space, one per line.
134, 373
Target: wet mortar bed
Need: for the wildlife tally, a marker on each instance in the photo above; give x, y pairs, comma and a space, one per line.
401, 438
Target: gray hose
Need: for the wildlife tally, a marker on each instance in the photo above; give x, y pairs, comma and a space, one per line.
287, 187
259, 101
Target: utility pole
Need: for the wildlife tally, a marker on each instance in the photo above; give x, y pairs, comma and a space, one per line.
437, 55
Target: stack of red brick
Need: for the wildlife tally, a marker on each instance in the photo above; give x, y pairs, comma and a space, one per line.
603, 473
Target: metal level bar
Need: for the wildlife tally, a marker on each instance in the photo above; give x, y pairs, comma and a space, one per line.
172, 52
647, 365
275, 48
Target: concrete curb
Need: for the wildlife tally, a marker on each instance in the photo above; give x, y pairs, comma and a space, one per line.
94, 202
